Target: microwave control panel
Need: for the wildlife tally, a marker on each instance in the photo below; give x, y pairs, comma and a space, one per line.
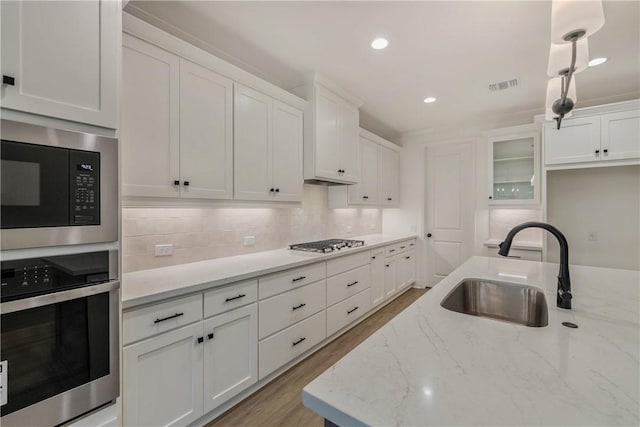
84, 188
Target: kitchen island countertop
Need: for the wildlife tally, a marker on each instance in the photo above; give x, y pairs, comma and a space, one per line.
147, 286
432, 366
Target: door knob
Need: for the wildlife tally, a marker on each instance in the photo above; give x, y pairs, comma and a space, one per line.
429, 234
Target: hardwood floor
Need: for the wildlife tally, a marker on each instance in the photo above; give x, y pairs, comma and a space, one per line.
280, 402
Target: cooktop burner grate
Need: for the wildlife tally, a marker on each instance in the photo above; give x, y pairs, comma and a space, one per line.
326, 246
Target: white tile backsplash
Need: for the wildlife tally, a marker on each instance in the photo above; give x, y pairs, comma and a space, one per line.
204, 233
503, 220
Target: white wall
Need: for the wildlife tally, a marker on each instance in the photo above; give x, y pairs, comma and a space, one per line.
605, 201
199, 233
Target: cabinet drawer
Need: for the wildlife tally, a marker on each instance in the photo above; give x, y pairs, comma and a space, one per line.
345, 312
284, 346
390, 250
277, 283
229, 297
284, 310
346, 284
348, 262
406, 246
518, 253
158, 318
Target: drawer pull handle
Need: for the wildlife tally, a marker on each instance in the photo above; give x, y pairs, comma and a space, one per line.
513, 256
412, 244
173, 316
352, 310
200, 340
402, 247
210, 335
299, 306
392, 250
387, 265
373, 257
296, 342
351, 284
233, 298
299, 278
407, 257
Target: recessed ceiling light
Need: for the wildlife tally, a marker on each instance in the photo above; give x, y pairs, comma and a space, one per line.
597, 61
429, 100
379, 43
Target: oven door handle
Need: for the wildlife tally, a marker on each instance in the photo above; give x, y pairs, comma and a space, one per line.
47, 299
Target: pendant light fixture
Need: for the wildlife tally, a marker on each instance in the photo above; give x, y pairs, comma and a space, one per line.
572, 21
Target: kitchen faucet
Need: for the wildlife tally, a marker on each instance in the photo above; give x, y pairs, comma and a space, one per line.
563, 298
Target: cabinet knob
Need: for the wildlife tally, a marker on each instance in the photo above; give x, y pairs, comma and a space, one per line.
8, 81
373, 257
200, 340
597, 152
389, 199
277, 190
490, 197
186, 183
365, 197
176, 182
429, 234
210, 336
605, 151
271, 190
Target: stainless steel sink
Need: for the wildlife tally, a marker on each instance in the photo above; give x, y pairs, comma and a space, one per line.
509, 302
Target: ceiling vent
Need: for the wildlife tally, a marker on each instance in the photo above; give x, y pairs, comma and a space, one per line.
507, 84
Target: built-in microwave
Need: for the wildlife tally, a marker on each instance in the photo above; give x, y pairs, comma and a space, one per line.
58, 187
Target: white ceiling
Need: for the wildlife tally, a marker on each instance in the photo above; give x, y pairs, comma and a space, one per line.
450, 50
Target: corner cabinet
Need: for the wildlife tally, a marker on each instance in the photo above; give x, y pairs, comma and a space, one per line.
78, 42
268, 148
331, 141
596, 140
177, 126
379, 180
514, 168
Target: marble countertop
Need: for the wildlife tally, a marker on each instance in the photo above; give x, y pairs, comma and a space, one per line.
432, 366
527, 245
146, 286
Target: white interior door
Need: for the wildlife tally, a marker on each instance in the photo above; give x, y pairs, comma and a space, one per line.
449, 208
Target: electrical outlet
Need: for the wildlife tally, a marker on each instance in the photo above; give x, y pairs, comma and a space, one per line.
249, 240
592, 236
164, 250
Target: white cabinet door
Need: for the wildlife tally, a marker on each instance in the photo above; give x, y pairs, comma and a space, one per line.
365, 192
390, 280
406, 269
348, 143
63, 57
252, 144
327, 149
620, 135
150, 120
287, 152
377, 276
578, 140
230, 354
206, 133
162, 379
388, 180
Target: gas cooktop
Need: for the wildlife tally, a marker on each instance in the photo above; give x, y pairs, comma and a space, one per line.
326, 246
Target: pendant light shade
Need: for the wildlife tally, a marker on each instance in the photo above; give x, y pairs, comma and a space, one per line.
575, 16
554, 91
560, 57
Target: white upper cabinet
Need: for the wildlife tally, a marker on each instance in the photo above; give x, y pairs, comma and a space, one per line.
597, 139
177, 135
514, 166
388, 177
331, 143
206, 133
268, 148
78, 42
366, 191
150, 127
379, 169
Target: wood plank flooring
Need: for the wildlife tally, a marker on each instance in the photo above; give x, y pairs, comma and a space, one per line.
280, 402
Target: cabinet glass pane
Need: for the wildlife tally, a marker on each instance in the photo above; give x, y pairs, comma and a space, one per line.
513, 169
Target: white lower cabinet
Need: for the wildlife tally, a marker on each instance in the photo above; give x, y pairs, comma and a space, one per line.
377, 276
390, 283
162, 379
286, 345
406, 269
347, 311
230, 355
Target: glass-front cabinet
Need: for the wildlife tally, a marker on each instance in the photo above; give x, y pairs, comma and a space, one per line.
514, 169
